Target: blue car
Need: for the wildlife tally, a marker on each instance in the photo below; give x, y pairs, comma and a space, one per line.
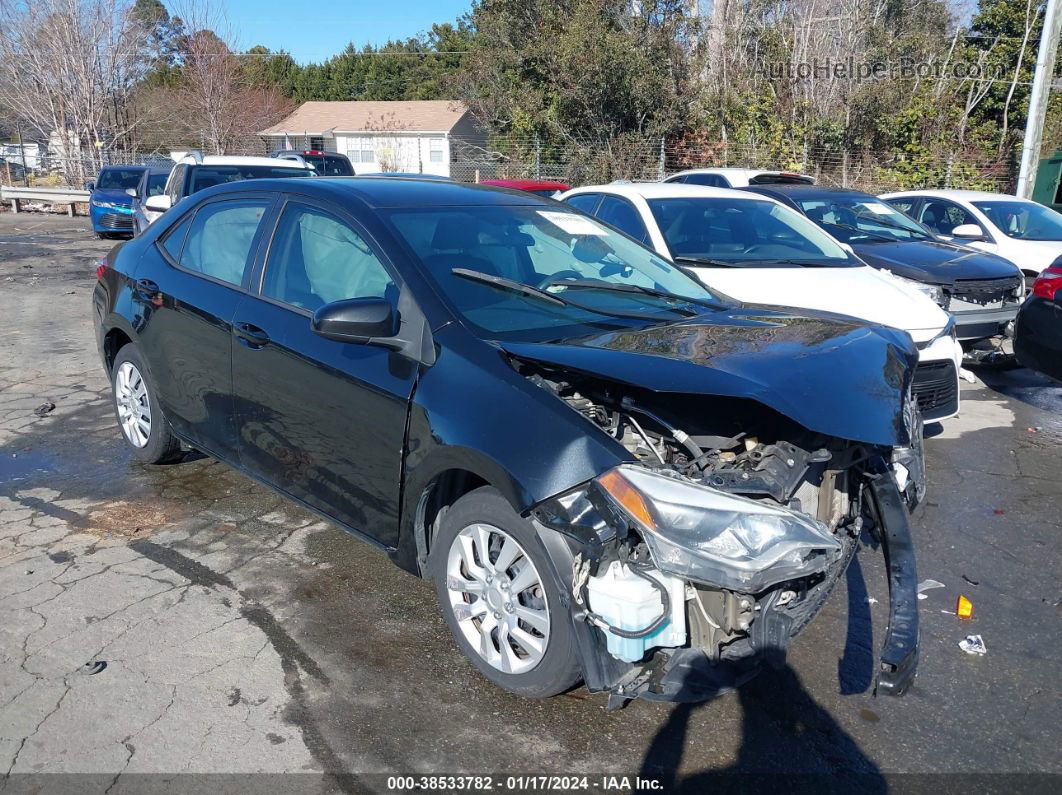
111, 200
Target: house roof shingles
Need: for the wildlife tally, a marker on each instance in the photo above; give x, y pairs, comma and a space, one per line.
315, 118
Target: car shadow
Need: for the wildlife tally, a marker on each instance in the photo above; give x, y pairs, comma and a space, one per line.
783, 730
1028, 386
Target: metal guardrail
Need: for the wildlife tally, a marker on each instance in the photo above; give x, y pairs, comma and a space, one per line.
67, 196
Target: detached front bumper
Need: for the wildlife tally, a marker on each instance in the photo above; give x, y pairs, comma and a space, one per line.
985, 323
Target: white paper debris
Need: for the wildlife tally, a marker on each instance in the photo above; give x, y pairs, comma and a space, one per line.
927, 585
973, 644
967, 375
871, 600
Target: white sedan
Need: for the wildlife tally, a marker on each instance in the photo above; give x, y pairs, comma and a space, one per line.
757, 250
1022, 231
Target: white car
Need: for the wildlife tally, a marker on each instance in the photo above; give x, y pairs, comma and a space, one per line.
1025, 232
194, 172
738, 177
759, 251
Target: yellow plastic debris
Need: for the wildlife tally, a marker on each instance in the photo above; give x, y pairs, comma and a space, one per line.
964, 607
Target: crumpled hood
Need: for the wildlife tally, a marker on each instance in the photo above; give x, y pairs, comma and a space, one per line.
935, 262
831, 374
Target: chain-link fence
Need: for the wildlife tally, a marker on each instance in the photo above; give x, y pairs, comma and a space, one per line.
637, 159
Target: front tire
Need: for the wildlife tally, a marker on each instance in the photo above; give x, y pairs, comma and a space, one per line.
501, 598
136, 407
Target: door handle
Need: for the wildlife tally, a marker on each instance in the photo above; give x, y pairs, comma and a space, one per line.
250, 335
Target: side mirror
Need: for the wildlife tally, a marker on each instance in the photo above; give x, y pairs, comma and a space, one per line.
159, 204
364, 320
90, 186
968, 232
130, 192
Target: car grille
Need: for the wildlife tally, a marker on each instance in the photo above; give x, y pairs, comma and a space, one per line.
936, 389
973, 294
116, 221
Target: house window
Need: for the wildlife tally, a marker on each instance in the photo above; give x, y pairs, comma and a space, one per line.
361, 151
317, 144
435, 150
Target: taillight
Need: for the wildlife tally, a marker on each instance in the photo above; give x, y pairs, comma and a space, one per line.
1049, 283
101, 267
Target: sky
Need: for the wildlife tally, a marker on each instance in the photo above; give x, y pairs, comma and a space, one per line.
311, 35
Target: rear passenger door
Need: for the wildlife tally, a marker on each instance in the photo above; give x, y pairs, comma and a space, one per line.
189, 288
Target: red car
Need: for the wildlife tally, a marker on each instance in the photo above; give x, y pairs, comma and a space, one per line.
547, 189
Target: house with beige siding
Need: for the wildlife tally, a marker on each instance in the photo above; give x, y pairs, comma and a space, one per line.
416, 136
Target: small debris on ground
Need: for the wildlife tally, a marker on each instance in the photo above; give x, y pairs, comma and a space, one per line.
871, 600
963, 607
927, 585
972, 582
999, 511
967, 375
93, 667
973, 644
47, 407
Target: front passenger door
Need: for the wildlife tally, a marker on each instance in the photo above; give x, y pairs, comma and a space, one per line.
322, 420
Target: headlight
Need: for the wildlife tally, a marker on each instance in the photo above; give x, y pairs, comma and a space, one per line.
96, 203
706, 535
932, 291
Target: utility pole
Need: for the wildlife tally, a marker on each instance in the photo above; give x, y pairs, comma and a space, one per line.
1041, 90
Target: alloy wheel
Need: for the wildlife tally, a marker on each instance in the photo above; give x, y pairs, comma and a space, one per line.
498, 598
134, 407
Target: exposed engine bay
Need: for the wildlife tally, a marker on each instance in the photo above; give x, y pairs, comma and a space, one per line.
718, 543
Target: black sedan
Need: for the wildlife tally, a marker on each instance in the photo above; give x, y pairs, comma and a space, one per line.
981, 290
1038, 330
610, 473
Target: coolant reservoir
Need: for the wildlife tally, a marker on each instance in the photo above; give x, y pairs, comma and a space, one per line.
627, 601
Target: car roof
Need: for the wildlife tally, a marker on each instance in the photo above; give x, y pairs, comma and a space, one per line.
525, 184
950, 193
388, 192
748, 172
807, 191
240, 160
664, 190
137, 166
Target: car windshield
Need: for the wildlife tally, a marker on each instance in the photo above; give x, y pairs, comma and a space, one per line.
862, 220
209, 176
156, 184
326, 166
1023, 220
119, 178
744, 233
554, 274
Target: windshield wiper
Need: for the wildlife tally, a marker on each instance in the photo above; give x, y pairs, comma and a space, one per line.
707, 261
501, 283
594, 284
804, 263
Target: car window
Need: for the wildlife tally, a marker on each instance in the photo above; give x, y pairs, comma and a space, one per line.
156, 184
584, 202
119, 178
330, 165
1023, 220
173, 241
175, 184
220, 238
745, 232
316, 259
905, 206
711, 180
208, 176
853, 218
942, 217
621, 214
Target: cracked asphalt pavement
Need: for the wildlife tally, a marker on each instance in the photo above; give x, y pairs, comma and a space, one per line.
183, 619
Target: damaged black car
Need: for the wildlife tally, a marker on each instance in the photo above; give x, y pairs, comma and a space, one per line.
611, 474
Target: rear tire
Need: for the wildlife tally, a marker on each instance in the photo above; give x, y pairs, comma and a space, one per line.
501, 598
143, 424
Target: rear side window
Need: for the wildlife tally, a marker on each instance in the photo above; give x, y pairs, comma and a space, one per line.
584, 202
710, 180
903, 205
173, 241
220, 238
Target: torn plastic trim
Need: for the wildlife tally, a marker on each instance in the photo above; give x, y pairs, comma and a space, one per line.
899, 653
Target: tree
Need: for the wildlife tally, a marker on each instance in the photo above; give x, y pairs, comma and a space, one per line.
69, 70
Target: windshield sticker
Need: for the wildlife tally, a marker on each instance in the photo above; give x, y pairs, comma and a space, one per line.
572, 224
879, 209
